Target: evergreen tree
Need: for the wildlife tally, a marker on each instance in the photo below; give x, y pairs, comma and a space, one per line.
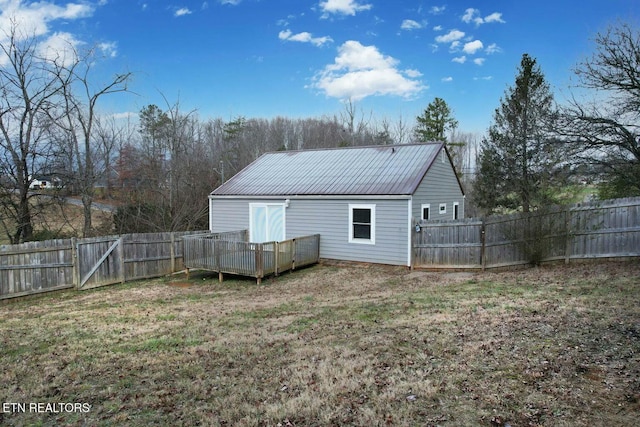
434, 122
519, 160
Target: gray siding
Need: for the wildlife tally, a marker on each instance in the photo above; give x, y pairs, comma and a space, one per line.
329, 218
438, 186
228, 215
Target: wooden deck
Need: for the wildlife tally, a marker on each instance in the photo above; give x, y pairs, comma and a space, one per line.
230, 253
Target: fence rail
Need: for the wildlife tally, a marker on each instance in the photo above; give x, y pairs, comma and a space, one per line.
230, 253
605, 229
35, 267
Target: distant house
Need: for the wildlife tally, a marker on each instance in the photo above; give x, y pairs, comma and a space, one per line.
44, 182
363, 201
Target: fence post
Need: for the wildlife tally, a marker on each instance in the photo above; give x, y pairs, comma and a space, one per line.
567, 234
412, 239
483, 238
173, 252
74, 260
292, 253
276, 257
123, 277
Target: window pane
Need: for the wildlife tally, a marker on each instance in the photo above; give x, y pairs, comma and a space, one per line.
362, 216
361, 231
425, 213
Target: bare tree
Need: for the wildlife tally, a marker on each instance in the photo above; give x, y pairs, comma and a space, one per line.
402, 132
28, 93
357, 128
78, 117
605, 131
110, 138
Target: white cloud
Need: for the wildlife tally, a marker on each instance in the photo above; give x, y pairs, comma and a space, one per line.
479, 61
109, 49
413, 73
451, 36
447, 79
342, 7
469, 14
60, 47
493, 48
473, 15
303, 37
494, 17
231, 2
483, 78
410, 24
472, 47
437, 10
182, 11
460, 59
437, 28
360, 71
126, 115
33, 18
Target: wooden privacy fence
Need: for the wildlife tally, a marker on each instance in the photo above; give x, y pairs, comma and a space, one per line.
607, 229
35, 267
231, 253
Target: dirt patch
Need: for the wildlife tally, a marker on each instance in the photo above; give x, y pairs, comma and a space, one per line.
181, 284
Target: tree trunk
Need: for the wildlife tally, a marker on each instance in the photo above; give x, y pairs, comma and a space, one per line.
24, 231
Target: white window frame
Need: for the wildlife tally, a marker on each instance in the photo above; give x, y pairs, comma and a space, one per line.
442, 208
422, 208
453, 213
266, 205
372, 239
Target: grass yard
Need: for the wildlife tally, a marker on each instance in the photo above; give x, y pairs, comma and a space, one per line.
332, 345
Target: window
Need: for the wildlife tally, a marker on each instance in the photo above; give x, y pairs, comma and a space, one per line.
362, 224
443, 208
426, 212
456, 207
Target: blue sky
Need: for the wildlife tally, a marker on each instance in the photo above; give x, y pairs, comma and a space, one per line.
303, 58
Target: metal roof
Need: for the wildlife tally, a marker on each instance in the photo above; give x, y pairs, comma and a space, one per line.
375, 170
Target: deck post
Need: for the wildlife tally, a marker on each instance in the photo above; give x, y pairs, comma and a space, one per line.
220, 276
259, 262
216, 252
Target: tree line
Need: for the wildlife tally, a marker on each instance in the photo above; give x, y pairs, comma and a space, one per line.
161, 167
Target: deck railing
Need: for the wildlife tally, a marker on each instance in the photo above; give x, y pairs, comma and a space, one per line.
230, 253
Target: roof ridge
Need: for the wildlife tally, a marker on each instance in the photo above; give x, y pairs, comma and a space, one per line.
353, 147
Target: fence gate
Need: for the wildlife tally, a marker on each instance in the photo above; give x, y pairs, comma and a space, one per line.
100, 262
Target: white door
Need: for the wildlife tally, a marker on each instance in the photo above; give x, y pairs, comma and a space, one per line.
266, 222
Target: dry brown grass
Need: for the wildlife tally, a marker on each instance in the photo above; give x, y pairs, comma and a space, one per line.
350, 345
56, 219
